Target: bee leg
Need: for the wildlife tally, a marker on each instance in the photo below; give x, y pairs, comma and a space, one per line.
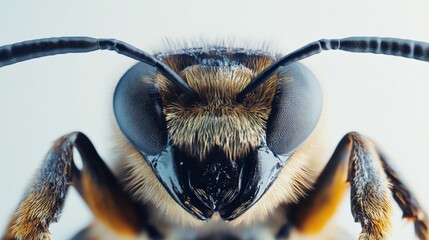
409, 205
311, 213
356, 160
44, 200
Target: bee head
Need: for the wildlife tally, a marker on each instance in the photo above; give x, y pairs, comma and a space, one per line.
214, 153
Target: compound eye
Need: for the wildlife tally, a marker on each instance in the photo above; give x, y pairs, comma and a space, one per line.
138, 109
295, 109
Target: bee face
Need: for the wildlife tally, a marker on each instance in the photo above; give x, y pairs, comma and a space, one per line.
217, 120
214, 153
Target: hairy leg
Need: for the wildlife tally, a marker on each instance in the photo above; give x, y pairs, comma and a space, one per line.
357, 161
44, 199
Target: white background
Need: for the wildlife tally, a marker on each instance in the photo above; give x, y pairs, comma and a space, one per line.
382, 97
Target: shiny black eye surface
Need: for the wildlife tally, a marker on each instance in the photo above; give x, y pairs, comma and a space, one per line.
138, 109
295, 110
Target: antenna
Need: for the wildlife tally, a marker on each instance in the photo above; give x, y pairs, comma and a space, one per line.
377, 45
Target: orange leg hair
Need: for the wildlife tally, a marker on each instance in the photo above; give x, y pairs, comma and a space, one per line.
358, 163
44, 200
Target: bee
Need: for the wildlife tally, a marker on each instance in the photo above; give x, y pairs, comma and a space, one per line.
216, 143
